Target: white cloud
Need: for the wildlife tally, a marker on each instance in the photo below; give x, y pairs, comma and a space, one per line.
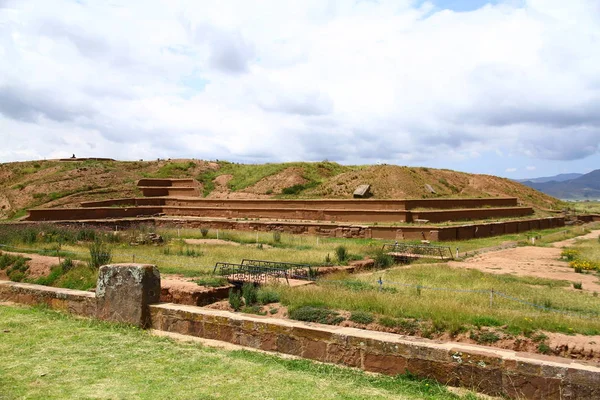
530, 168
280, 80
510, 170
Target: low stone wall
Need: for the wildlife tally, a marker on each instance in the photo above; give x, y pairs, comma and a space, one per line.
317, 204
470, 214
80, 214
77, 302
126, 293
331, 229
492, 371
306, 214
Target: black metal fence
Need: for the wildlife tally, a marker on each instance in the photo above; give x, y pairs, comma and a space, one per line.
239, 273
295, 271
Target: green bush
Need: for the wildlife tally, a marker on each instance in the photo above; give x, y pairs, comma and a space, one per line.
204, 232
484, 337
235, 299
383, 260
314, 314
267, 295
341, 254
100, 254
249, 293
277, 237
86, 235
388, 322
67, 264
16, 276
361, 317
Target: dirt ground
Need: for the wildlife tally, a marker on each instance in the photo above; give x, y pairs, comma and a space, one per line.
38, 265
542, 262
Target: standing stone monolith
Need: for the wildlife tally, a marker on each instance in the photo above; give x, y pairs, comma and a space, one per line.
125, 291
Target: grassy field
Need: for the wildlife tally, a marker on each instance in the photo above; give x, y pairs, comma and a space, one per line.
445, 310
47, 355
452, 310
585, 207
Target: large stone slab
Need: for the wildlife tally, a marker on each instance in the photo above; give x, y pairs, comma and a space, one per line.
125, 291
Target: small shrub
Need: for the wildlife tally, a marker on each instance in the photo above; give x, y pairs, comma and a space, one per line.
543, 348
361, 317
388, 322
484, 337
55, 273
204, 232
235, 299
85, 235
16, 276
249, 293
277, 237
383, 260
267, 296
409, 326
327, 259
100, 254
314, 314
67, 264
578, 285
569, 254
595, 294
253, 310
312, 273
341, 254
539, 338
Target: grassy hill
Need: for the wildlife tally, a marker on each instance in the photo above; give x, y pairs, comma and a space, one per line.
53, 183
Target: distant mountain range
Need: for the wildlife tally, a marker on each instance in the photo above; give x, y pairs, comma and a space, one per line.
555, 178
568, 186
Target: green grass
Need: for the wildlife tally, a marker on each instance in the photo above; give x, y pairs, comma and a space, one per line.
585, 207
588, 249
245, 175
453, 310
47, 355
173, 169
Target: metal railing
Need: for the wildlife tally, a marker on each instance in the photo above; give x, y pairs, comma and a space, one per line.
294, 270
238, 273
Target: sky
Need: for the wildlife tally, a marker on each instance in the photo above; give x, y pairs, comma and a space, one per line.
504, 87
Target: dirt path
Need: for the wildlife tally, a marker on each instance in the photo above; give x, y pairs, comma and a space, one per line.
38, 265
543, 262
570, 242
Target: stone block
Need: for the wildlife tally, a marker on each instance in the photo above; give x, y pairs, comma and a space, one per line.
125, 291
384, 364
